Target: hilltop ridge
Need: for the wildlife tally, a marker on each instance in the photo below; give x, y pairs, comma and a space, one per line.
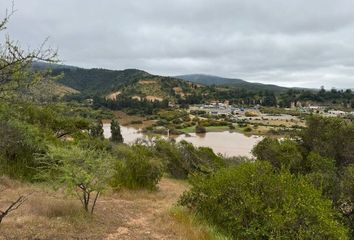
206, 79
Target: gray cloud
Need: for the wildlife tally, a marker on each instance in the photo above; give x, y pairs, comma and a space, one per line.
293, 43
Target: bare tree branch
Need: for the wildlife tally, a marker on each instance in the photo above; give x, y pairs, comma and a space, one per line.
13, 206
8, 15
16, 63
94, 202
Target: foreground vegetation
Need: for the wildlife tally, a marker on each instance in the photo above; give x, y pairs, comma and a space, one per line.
295, 187
73, 179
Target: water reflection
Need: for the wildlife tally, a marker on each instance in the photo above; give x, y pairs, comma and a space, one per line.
130, 135
227, 143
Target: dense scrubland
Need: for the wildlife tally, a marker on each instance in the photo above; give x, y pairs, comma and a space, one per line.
295, 188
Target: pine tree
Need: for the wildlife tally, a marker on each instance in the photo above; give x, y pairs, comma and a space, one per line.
116, 134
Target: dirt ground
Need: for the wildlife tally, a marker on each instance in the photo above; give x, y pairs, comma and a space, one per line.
129, 215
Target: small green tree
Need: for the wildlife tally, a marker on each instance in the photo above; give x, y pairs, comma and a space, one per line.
182, 159
84, 172
116, 134
137, 167
281, 154
97, 130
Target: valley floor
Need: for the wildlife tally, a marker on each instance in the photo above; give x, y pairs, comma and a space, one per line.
129, 215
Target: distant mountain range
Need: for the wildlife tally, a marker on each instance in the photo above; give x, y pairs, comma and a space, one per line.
140, 84
232, 82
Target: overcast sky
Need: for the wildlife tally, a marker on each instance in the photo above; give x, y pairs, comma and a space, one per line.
302, 43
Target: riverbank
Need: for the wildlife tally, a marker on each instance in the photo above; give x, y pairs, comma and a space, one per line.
261, 131
267, 125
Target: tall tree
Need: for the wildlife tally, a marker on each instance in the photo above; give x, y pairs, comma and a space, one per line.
270, 99
116, 134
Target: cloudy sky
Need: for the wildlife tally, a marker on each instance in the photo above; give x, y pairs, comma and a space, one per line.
302, 43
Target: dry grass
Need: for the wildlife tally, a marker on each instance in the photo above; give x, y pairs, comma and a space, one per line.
55, 208
46, 215
179, 91
137, 98
154, 98
193, 228
47, 89
126, 120
279, 122
6, 183
113, 96
142, 82
50, 214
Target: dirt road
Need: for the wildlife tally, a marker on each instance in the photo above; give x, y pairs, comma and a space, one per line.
146, 215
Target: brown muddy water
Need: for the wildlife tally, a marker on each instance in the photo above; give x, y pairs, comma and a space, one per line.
226, 143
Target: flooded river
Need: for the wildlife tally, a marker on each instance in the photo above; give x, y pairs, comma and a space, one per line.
227, 143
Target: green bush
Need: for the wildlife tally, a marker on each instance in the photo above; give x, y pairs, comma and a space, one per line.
242, 124
136, 168
281, 154
322, 173
330, 137
19, 142
136, 122
170, 115
200, 129
182, 159
251, 201
177, 121
248, 129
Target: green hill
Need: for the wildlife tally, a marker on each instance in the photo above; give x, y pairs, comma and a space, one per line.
98, 81
138, 83
130, 82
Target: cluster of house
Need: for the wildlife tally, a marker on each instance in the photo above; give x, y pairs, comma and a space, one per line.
337, 113
323, 110
217, 108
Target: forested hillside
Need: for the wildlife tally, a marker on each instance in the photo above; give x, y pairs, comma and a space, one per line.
98, 81
140, 84
119, 89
